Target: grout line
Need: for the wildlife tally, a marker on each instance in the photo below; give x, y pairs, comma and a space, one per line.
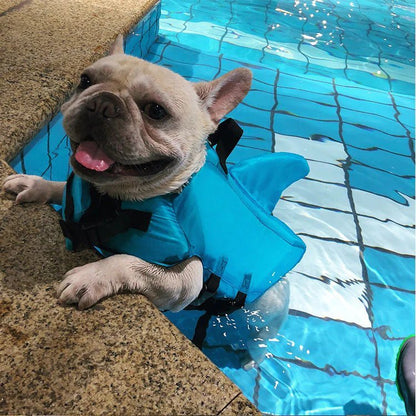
331, 370
226, 27
368, 291
299, 47
266, 14
273, 110
408, 134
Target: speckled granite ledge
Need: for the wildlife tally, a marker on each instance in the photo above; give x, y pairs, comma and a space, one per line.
121, 356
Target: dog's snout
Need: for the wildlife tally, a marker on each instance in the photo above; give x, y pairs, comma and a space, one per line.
105, 104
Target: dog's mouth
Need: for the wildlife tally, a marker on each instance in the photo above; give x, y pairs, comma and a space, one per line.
92, 159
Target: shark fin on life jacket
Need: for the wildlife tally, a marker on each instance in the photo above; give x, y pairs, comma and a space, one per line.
264, 178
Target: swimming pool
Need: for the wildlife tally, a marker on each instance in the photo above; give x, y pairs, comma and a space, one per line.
333, 81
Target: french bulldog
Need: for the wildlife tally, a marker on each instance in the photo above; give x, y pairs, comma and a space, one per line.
138, 130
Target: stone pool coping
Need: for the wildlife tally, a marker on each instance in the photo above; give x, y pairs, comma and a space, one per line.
122, 356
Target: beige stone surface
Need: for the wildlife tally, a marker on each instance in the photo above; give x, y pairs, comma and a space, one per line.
121, 356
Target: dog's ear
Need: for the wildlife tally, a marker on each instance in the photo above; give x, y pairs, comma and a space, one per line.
222, 95
117, 46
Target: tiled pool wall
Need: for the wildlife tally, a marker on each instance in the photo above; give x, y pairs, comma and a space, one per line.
352, 296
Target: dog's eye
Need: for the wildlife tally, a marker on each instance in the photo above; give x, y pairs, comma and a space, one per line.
84, 82
155, 111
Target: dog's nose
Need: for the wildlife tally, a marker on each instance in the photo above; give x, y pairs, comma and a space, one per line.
106, 104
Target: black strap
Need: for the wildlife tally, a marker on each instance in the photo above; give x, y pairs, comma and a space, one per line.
103, 220
213, 306
211, 285
201, 329
226, 138
69, 203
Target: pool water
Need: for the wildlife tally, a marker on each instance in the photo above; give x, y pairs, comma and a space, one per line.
334, 82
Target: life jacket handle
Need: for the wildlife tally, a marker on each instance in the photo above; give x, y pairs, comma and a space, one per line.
226, 137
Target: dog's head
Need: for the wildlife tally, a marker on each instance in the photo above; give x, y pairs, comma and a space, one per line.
138, 130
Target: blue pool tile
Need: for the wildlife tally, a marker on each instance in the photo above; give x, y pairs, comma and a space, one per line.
387, 350
350, 89
390, 269
195, 40
309, 96
307, 109
359, 136
252, 132
203, 63
263, 100
245, 380
240, 52
406, 101
302, 339
313, 391
262, 143
242, 153
59, 167
315, 84
291, 125
193, 73
35, 157
395, 405
47, 154
273, 390
368, 79
201, 73
330, 74
381, 183
254, 136
175, 53
401, 87
18, 164
144, 33
215, 11
226, 65
406, 116
371, 122
396, 164
244, 112
263, 78
395, 310
283, 65
367, 106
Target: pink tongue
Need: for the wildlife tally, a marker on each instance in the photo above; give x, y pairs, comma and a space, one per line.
89, 155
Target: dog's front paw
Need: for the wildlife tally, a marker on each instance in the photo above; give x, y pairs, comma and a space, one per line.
86, 285
27, 188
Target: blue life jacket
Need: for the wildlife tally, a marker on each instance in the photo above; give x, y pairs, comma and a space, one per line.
225, 219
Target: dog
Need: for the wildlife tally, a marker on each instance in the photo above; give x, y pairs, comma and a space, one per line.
139, 131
